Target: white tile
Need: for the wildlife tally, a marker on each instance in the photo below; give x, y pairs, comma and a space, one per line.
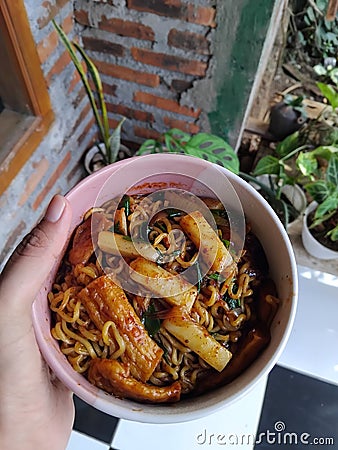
239, 421
312, 347
79, 441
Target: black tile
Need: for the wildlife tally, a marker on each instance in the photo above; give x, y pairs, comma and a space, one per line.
297, 409
92, 422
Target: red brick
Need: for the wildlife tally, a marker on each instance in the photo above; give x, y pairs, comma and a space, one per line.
108, 89
145, 133
47, 45
181, 85
202, 15
81, 16
39, 170
118, 26
58, 66
73, 81
102, 46
127, 28
188, 127
76, 78
169, 62
85, 132
51, 9
186, 40
82, 115
125, 73
79, 97
130, 113
166, 104
51, 182
177, 10
113, 123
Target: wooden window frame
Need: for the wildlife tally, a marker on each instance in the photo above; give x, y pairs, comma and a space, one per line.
35, 125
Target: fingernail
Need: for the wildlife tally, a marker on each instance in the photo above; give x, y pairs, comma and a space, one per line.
55, 209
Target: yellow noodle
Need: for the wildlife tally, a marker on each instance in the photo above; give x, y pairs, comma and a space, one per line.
75, 336
223, 308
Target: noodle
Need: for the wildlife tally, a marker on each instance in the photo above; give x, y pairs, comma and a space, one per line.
225, 306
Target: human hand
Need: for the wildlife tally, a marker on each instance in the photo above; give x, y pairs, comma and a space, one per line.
36, 410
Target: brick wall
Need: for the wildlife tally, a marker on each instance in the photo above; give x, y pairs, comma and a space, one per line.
151, 55
163, 65
55, 166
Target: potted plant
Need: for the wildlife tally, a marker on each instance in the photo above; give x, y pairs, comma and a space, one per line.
277, 178
105, 152
287, 116
202, 145
320, 224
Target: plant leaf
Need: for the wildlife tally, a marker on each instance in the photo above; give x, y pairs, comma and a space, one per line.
307, 163
150, 320
267, 165
318, 190
214, 149
328, 206
333, 234
149, 146
320, 69
77, 63
115, 142
330, 93
180, 136
332, 170
325, 151
288, 145
94, 73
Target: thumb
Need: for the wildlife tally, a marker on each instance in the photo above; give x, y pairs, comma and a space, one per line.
34, 258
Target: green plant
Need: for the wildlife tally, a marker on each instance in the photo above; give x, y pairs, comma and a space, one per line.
296, 103
311, 31
330, 93
273, 194
110, 140
327, 71
277, 164
202, 145
325, 192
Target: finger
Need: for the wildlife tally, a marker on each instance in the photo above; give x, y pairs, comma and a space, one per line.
34, 258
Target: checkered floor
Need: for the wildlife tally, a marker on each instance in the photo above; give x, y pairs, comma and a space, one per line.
299, 403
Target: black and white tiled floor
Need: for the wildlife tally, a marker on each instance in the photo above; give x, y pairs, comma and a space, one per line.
297, 407
300, 405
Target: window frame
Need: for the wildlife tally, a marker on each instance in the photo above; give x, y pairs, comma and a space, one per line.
22, 48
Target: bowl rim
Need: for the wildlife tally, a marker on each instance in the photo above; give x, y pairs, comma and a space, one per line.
174, 413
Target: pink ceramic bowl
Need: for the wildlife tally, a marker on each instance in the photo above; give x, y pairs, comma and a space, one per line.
197, 176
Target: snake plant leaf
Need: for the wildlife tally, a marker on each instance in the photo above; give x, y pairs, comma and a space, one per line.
94, 73
114, 142
213, 149
77, 63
